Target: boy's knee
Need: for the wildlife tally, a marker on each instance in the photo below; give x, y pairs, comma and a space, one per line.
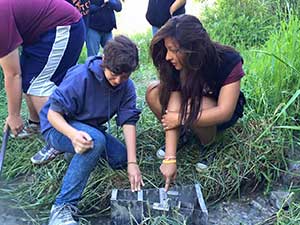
99, 142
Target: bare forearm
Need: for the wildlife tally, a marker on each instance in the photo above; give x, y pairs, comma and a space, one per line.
14, 93
171, 137
224, 108
13, 81
176, 5
60, 124
212, 117
130, 140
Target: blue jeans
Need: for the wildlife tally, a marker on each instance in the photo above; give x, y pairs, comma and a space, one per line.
154, 30
75, 180
95, 39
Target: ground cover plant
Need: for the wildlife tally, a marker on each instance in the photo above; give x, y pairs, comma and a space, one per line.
253, 152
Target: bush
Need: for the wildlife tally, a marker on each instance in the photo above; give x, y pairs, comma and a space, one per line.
274, 70
247, 22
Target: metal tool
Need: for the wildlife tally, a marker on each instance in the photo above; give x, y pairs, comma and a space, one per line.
3, 147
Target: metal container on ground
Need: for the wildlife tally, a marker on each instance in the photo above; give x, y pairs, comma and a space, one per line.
181, 203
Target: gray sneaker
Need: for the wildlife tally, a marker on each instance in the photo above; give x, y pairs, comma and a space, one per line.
45, 155
63, 215
30, 129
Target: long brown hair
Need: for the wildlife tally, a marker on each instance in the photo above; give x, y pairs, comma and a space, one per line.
201, 61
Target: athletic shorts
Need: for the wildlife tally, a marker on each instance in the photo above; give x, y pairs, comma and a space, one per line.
45, 63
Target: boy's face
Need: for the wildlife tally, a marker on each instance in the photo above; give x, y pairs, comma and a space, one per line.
115, 79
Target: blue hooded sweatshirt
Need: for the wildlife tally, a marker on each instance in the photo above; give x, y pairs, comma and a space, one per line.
85, 95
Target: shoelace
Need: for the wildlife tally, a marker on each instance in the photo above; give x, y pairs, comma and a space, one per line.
68, 211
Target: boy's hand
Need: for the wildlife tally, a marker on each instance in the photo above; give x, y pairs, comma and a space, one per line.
81, 141
135, 177
169, 171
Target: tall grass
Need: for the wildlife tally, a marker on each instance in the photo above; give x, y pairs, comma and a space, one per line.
273, 70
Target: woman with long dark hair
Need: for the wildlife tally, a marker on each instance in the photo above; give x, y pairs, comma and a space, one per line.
198, 87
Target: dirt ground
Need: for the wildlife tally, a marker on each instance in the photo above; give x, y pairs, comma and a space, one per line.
9, 215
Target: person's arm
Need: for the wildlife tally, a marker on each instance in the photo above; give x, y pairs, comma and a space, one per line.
176, 5
224, 109
81, 140
13, 86
116, 5
134, 173
94, 8
222, 112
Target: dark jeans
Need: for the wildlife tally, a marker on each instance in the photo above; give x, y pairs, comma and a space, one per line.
75, 180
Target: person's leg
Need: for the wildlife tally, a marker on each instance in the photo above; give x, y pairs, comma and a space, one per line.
152, 98
81, 165
154, 30
206, 135
92, 42
115, 153
65, 207
33, 115
44, 66
105, 37
45, 63
37, 102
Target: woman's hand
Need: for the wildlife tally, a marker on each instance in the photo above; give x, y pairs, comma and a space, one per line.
81, 141
15, 123
169, 171
135, 177
170, 120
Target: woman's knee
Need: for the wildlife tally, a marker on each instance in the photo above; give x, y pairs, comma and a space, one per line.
206, 135
152, 93
175, 101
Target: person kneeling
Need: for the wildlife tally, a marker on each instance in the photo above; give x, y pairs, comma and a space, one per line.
72, 121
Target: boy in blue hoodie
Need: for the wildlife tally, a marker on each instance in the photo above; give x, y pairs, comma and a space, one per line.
72, 121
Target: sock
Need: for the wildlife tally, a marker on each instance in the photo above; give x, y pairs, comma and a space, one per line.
33, 122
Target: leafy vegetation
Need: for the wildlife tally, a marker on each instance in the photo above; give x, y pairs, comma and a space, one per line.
253, 152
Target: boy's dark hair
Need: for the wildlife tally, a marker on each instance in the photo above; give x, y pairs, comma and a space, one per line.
120, 55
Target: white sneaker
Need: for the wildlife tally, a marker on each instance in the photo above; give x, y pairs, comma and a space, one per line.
200, 167
182, 141
63, 215
160, 153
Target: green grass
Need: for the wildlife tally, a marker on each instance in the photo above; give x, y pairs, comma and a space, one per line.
253, 152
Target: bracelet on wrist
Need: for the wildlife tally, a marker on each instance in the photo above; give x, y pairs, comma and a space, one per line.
169, 157
170, 161
131, 163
